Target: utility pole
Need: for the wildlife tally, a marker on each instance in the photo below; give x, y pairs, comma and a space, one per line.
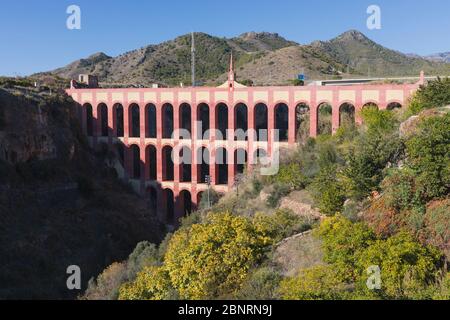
208, 182
193, 59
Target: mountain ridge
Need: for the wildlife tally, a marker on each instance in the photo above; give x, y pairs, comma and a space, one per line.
264, 58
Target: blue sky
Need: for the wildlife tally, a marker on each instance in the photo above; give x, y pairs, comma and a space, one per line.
34, 36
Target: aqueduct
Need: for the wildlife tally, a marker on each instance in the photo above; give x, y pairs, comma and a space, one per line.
139, 125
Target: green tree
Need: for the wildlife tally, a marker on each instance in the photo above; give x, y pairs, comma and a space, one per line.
378, 120
429, 156
343, 242
434, 95
152, 283
213, 258
290, 174
407, 267
367, 160
328, 191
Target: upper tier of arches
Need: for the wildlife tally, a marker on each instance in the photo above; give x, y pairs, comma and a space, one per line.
240, 122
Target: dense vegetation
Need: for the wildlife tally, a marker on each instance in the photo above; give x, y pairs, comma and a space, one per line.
382, 191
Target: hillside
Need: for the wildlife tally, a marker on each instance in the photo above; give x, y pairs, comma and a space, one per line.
366, 57
372, 196
264, 58
169, 62
60, 205
281, 66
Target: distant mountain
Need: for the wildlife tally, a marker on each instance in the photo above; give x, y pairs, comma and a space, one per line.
169, 62
366, 57
265, 58
439, 57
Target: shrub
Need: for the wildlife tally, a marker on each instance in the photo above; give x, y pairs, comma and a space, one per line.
257, 185
328, 191
437, 225
317, 283
261, 284
280, 225
378, 120
442, 290
107, 285
406, 266
401, 191
327, 153
279, 190
429, 156
366, 162
434, 95
145, 254
290, 174
384, 220
408, 269
213, 259
214, 197
152, 283
343, 242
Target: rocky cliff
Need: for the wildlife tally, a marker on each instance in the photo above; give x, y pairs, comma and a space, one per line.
59, 204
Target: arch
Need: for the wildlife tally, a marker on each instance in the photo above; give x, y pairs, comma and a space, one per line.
135, 154
185, 166
302, 121
152, 196
394, 106
203, 162
282, 121
222, 121
261, 122
370, 104
185, 119
102, 112
199, 197
241, 122
185, 199
134, 121
167, 164
169, 208
221, 166
347, 115
118, 126
240, 160
89, 120
203, 121
167, 121
324, 114
151, 162
150, 121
